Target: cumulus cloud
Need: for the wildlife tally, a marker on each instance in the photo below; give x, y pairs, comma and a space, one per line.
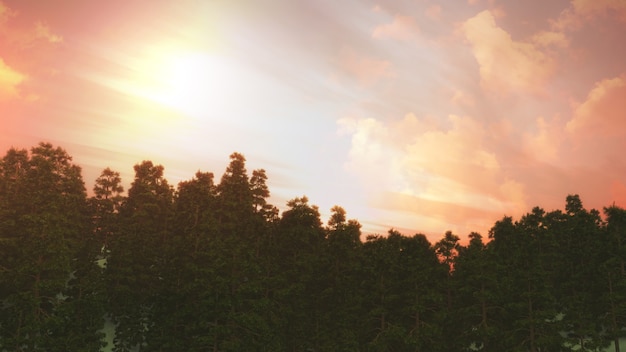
504, 63
10, 79
424, 165
402, 28
365, 69
602, 113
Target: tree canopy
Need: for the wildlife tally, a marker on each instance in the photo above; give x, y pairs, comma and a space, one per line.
205, 266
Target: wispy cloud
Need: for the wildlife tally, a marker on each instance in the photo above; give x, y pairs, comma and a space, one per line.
365, 69
44, 32
402, 28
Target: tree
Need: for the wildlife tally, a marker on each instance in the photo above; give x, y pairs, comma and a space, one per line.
139, 257
405, 295
615, 273
579, 236
475, 282
524, 254
43, 229
235, 197
341, 296
106, 204
298, 280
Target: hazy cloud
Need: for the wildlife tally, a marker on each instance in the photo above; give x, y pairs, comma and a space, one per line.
543, 144
10, 79
434, 12
403, 28
42, 31
551, 38
419, 161
5, 12
581, 11
365, 69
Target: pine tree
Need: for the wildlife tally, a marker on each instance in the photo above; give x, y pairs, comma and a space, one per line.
475, 308
615, 273
580, 239
138, 258
44, 229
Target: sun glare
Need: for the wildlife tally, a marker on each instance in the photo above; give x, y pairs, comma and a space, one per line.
192, 83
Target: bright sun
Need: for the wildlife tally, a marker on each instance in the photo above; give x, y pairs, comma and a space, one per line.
193, 83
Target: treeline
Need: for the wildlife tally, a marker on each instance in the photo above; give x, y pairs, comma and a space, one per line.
212, 266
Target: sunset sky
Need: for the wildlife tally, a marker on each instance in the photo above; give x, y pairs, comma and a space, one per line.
424, 116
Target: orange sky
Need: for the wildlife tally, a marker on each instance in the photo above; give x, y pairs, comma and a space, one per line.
424, 116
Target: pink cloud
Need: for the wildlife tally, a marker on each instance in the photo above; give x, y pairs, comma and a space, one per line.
434, 12
10, 80
365, 69
5, 12
461, 98
581, 11
602, 113
551, 38
544, 143
415, 162
402, 28
504, 63
42, 31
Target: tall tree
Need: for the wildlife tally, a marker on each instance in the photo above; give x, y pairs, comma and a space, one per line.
138, 258
475, 307
106, 203
297, 282
44, 226
615, 273
523, 252
580, 238
340, 275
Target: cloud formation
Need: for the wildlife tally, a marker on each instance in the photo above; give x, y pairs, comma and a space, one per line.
505, 64
422, 161
10, 80
448, 116
602, 113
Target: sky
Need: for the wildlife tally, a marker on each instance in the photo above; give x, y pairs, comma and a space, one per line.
424, 116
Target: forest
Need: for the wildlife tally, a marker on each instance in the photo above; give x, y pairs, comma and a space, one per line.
212, 266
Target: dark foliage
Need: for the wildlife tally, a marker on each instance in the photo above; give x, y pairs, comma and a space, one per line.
214, 267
